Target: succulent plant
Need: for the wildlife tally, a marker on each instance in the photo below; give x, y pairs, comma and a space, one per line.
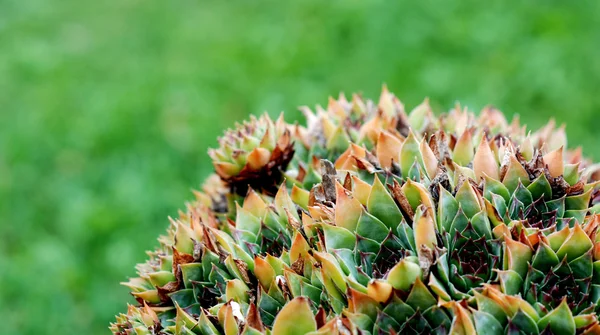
253, 154
371, 220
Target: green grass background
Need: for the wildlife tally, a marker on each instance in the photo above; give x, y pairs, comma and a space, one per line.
107, 109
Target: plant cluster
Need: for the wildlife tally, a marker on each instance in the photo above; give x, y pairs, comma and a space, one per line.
372, 220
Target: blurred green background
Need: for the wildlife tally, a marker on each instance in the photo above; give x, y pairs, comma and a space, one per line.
108, 107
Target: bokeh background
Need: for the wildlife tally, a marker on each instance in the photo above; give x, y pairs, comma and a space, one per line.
107, 109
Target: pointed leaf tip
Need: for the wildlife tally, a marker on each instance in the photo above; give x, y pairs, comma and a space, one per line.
295, 318
484, 161
555, 163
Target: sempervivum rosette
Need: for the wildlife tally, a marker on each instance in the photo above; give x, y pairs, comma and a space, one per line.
254, 154
371, 220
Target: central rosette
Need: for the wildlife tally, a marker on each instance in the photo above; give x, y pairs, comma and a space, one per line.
471, 262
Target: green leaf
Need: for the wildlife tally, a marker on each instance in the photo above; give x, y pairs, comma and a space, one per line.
183, 298
295, 318
464, 150
510, 281
558, 205
481, 224
438, 288
525, 323
582, 267
399, 310
493, 186
545, 258
407, 236
294, 282
237, 291
338, 142
437, 317
347, 261
584, 320
369, 226
515, 175
367, 245
523, 195
384, 322
540, 187
331, 271
382, 205
560, 320
575, 216
251, 331
500, 205
571, 173
364, 304
183, 319
246, 221
491, 307
486, 324
189, 272
418, 116
596, 277
459, 223
161, 278
516, 257
578, 202
410, 150
447, 209
442, 266
516, 207
576, 244
420, 297
338, 237
557, 238
361, 321
467, 199
404, 274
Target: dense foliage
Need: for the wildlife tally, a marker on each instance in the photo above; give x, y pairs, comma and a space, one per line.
394, 223
108, 108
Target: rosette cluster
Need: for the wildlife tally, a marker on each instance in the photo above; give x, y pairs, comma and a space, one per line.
373, 220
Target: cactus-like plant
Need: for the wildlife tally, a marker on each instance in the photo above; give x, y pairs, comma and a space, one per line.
371, 220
